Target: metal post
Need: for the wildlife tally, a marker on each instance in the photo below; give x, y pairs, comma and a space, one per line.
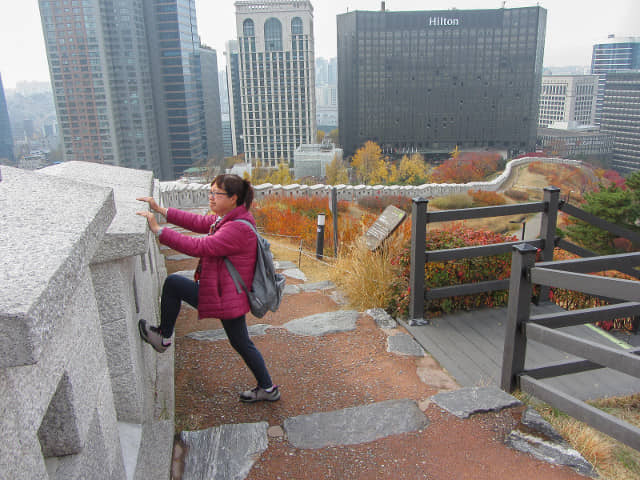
548, 231
418, 256
515, 340
334, 214
320, 237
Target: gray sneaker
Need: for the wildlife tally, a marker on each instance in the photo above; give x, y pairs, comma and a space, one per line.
258, 394
152, 336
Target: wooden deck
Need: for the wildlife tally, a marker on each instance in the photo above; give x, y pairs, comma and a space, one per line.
469, 345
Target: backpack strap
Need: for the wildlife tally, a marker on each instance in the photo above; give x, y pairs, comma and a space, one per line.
235, 276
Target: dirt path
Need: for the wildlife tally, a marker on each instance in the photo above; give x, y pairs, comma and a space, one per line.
335, 371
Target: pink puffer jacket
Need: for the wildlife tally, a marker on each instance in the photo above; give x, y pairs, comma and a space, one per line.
217, 296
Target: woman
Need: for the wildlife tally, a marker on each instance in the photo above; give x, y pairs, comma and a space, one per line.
213, 292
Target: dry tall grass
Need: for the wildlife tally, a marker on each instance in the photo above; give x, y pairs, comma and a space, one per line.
612, 459
366, 276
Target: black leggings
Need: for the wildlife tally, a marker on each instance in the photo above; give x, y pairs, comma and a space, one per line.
177, 288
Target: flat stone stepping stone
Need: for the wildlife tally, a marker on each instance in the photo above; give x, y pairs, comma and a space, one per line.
354, 425
382, 318
284, 264
164, 247
291, 289
466, 401
323, 323
404, 344
295, 273
317, 286
179, 257
219, 334
226, 452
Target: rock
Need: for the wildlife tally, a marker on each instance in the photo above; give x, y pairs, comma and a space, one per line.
382, 318
466, 401
404, 344
323, 323
354, 425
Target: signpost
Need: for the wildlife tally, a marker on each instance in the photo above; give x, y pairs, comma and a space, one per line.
384, 226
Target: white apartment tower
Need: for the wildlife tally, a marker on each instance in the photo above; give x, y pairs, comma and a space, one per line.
277, 78
568, 98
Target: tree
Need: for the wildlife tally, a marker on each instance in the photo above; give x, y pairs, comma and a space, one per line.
281, 175
259, 173
412, 171
319, 136
614, 204
369, 164
334, 136
336, 172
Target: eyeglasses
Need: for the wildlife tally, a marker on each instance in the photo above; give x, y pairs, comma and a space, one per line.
216, 194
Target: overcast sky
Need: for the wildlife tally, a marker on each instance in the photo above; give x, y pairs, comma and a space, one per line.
573, 26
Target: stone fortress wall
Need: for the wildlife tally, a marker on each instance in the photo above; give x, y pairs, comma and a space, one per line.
185, 195
81, 395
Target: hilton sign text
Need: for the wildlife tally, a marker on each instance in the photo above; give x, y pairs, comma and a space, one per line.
443, 22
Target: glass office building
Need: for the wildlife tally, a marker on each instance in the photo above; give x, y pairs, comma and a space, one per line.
621, 118
427, 81
613, 55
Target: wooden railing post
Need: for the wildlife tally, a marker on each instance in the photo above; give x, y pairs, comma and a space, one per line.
515, 341
548, 231
418, 247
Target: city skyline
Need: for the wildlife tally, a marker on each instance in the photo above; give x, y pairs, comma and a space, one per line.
573, 27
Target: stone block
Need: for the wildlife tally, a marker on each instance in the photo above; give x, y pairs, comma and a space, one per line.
209, 454
47, 253
127, 234
112, 284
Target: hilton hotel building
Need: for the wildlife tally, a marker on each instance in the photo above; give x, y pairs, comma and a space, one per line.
428, 81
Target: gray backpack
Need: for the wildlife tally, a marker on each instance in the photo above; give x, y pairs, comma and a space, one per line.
267, 286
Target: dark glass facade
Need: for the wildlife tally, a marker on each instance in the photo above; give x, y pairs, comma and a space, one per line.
6, 139
614, 55
621, 118
428, 81
211, 99
177, 84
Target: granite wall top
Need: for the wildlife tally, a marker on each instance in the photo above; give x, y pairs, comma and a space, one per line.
128, 234
49, 230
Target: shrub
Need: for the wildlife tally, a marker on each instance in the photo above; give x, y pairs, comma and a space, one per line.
452, 202
468, 167
574, 300
378, 203
440, 274
517, 195
297, 218
484, 199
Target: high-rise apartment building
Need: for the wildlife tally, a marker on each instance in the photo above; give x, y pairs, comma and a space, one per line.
427, 81
212, 111
126, 82
99, 67
613, 55
621, 118
177, 84
568, 98
235, 103
277, 77
6, 138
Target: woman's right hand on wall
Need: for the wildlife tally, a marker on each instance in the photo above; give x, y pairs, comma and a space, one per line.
153, 205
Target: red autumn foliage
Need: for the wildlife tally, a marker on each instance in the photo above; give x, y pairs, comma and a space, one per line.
467, 167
